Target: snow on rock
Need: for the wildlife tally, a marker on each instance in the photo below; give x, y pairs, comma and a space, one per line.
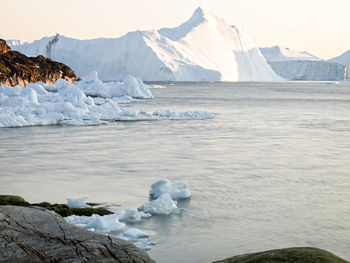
178, 190
205, 48
77, 202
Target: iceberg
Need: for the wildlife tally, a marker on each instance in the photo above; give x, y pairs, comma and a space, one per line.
276, 53
297, 65
204, 48
342, 59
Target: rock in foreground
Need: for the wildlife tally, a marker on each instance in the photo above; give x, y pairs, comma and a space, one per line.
39, 235
18, 69
287, 255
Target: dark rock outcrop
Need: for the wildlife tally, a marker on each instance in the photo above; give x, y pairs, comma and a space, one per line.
287, 255
18, 69
61, 209
39, 235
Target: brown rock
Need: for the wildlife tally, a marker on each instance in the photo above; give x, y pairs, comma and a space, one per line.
18, 69
4, 47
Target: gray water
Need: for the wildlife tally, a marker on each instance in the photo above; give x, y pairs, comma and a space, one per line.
271, 170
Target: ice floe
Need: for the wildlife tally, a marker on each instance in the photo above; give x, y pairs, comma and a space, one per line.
66, 103
117, 224
133, 87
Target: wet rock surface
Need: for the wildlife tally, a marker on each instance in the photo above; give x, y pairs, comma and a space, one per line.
18, 69
39, 235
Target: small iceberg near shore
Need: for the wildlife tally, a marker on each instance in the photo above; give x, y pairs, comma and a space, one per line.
77, 203
162, 194
72, 104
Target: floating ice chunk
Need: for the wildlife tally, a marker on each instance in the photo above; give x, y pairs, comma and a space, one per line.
107, 223
131, 86
132, 215
77, 202
70, 105
110, 224
178, 190
135, 88
160, 187
156, 87
91, 77
135, 233
163, 205
144, 244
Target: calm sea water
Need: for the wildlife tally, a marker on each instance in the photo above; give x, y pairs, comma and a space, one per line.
272, 170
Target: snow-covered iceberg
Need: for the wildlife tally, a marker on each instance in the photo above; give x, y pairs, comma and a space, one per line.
118, 223
277, 53
296, 65
37, 104
205, 48
310, 70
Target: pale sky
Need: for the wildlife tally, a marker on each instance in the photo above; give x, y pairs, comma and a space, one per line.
318, 26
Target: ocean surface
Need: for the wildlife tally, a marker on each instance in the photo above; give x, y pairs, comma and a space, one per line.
271, 170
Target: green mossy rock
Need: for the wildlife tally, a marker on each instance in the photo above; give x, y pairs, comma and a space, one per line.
13, 200
60, 209
64, 210
287, 255
90, 211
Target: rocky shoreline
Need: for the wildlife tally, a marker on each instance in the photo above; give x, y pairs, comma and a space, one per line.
18, 69
38, 233
35, 234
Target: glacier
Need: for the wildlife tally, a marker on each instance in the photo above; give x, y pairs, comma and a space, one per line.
296, 65
205, 48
